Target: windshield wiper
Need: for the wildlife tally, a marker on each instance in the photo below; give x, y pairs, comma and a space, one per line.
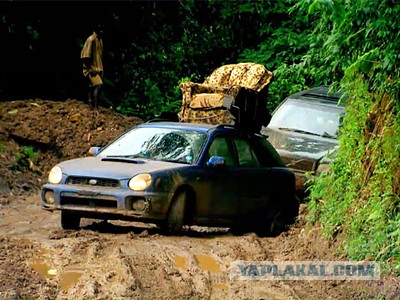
177, 161
325, 134
127, 156
298, 131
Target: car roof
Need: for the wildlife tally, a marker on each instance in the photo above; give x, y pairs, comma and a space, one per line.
193, 126
179, 125
319, 94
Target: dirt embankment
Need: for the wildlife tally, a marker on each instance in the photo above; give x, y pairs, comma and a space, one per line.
37, 134
121, 260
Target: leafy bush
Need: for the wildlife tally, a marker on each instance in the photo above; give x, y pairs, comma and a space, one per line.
360, 199
25, 159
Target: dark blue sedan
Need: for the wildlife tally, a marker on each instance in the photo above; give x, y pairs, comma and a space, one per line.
175, 174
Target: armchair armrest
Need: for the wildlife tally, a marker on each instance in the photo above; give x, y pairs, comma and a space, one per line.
197, 88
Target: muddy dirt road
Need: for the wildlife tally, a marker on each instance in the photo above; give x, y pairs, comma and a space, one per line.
118, 260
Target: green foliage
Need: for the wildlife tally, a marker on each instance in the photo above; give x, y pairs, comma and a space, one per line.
25, 158
291, 48
204, 36
360, 200
284, 44
166, 52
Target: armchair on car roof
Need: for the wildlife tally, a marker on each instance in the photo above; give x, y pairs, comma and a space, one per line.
232, 94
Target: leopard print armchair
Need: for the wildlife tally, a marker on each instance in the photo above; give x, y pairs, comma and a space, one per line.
210, 102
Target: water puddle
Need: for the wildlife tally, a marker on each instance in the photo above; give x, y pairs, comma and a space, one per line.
40, 266
45, 252
208, 263
221, 286
67, 278
180, 262
43, 269
24, 242
70, 277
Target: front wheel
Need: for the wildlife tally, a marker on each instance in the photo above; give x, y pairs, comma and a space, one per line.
70, 220
291, 211
273, 223
176, 214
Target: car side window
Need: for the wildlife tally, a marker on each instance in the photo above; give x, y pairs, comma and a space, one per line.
245, 153
267, 154
221, 146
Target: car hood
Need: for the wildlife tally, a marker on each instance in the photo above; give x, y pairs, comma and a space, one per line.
116, 168
298, 144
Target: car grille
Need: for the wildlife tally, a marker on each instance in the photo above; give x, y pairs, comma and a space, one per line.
92, 181
88, 202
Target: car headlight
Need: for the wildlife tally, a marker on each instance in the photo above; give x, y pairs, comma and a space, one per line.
55, 175
140, 182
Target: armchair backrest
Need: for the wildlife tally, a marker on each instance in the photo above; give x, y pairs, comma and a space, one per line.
249, 75
233, 94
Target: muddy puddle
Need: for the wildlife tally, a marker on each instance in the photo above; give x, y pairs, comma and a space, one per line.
110, 263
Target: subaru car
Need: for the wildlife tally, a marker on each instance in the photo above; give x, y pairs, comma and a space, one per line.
174, 174
304, 130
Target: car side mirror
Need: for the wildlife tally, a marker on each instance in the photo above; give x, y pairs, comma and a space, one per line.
216, 161
93, 151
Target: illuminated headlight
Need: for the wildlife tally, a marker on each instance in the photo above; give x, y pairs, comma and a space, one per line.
140, 182
49, 197
55, 175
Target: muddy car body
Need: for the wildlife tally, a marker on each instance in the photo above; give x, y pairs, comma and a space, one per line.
173, 174
304, 130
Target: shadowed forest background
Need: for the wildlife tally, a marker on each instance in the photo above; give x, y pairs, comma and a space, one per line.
152, 46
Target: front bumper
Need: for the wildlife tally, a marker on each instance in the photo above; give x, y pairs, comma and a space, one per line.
105, 202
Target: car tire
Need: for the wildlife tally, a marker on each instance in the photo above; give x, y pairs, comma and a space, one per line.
292, 211
176, 214
273, 224
70, 220
279, 217
238, 230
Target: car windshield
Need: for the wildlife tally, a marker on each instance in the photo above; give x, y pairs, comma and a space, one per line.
310, 118
165, 144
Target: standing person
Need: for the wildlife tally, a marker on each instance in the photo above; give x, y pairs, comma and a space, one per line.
92, 59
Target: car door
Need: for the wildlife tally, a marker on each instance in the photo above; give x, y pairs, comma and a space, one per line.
216, 197
253, 180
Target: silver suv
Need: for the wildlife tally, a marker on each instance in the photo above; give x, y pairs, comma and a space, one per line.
304, 130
